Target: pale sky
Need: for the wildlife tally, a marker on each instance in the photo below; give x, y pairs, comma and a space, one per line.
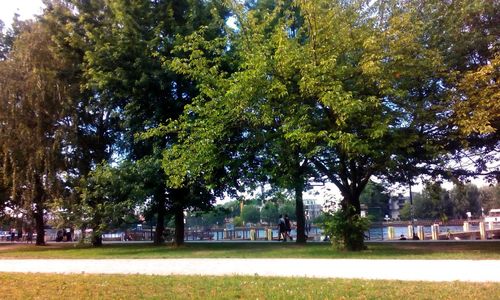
26, 9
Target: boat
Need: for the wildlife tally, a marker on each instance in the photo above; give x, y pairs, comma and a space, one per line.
493, 216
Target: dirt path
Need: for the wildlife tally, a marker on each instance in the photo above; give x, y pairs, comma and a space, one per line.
414, 270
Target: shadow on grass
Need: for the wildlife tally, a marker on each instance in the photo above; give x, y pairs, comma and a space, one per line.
384, 250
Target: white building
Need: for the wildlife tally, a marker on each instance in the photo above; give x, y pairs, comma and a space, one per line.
396, 203
311, 209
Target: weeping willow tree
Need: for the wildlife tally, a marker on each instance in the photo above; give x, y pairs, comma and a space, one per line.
35, 124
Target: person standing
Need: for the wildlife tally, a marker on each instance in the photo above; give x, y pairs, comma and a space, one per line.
281, 229
29, 237
288, 228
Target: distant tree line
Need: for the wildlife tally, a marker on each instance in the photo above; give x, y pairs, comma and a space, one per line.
436, 203
254, 212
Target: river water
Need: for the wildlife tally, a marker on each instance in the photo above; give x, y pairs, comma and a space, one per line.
380, 233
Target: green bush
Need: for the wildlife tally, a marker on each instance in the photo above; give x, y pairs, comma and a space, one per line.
238, 221
346, 229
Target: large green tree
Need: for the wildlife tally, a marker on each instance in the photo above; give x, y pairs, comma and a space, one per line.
35, 115
125, 66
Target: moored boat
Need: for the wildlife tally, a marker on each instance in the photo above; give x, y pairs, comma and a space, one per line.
493, 216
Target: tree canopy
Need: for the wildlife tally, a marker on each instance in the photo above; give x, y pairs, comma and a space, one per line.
107, 107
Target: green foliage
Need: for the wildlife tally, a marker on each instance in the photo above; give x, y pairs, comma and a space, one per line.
211, 218
489, 197
233, 208
342, 90
288, 208
376, 198
346, 230
250, 214
36, 109
109, 195
433, 203
465, 198
322, 219
238, 221
269, 213
405, 212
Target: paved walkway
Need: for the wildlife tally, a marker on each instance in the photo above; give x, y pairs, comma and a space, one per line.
419, 270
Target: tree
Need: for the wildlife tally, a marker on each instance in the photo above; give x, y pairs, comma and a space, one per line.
246, 117
466, 36
405, 212
94, 120
288, 208
489, 197
238, 221
233, 208
374, 196
36, 109
433, 203
269, 213
109, 196
465, 198
213, 217
127, 69
250, 214
322, 89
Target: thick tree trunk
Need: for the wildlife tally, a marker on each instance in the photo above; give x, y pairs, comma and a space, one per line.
39, 221
298, 182
40, 226
160, 220
354, 237
350, 178
299, 212
179, 225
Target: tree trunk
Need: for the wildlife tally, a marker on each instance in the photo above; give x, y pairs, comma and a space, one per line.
160, 220
96, 232
179, 225
96, 238
354, 237
40, 225
298, 185
39, 222
82, 238
299, 212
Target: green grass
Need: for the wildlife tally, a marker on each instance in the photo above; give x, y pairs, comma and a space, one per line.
398, 250
45, 286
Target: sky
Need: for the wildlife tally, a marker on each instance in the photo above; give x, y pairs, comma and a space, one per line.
26, 9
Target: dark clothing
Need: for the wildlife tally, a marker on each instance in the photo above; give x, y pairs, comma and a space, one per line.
288, 227
282, 225
282, 229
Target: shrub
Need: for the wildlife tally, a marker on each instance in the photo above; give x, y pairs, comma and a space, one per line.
346, 229
238, 221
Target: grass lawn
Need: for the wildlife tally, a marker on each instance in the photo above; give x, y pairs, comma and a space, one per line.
44, 286
396, 250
